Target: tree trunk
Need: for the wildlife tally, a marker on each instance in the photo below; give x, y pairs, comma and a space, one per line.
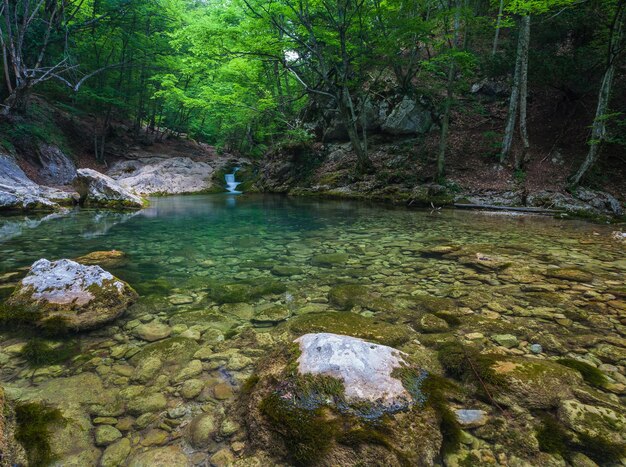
523, 96
18, 99
514, 100
598, 129
445, 121
346, 112
497, 33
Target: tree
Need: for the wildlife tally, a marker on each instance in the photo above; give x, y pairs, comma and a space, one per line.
325, 47
599, 127
34, 36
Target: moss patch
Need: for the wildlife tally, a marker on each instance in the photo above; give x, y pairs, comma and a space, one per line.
551, 436
33, 431
245, 291
590, 374
352, 324
39, 352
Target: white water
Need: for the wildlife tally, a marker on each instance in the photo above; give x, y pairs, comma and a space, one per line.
231, 184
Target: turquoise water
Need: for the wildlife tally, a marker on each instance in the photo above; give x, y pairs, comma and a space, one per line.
510, 284
176, 236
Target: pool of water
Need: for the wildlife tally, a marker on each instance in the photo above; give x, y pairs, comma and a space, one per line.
554, 284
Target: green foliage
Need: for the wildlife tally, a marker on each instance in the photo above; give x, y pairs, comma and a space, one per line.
38, 352
34, 421
519, 175
590, 373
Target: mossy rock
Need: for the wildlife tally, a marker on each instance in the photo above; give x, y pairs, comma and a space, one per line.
286, 271
245, 291
12, 451
175, 350
329, 260
569, 274
347, 296
305, 420
221, 321
352, 324
432, 304
270, 315
536, 384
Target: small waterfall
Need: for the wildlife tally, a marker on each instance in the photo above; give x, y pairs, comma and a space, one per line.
231, 184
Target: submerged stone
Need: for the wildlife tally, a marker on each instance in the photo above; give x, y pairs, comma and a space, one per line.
67, 294
167, 456
569, 274
469, 418
329, 260
270, 315
106, 435
286, 271
153, 331
110, 258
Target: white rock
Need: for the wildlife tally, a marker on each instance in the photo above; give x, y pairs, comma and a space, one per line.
172, 175
98, 189
17, 191
84, 296
365, 368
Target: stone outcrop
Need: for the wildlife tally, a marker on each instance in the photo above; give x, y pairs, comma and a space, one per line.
408, 118
171, 175
81, 297
96, 189
56, 167
584, 200
18, 192
349, 402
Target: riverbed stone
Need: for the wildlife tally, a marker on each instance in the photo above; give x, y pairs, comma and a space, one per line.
329, 260
67, 294
506, 340
286, 271
569, 274
194, 368
106, 434
270, 315
471, 418
201, 430
153, 331
116, 453
147, 404
147, 368
167, 456
191, 388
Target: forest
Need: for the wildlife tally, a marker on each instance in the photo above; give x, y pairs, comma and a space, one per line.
246, 76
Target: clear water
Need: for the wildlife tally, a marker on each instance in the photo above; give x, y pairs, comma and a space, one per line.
180, 244
175, 237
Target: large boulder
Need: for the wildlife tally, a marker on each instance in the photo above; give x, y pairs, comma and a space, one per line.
155, 175
70, 294
408, 118
96, 189
338, 400
18, 192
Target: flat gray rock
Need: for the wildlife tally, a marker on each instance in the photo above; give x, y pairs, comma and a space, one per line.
364, 367
155, 175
